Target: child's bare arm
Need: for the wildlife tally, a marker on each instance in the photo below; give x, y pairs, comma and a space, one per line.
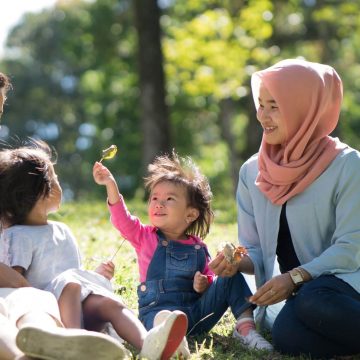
11, 278
103, 176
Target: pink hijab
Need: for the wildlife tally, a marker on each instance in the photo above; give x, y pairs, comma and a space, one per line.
309, 97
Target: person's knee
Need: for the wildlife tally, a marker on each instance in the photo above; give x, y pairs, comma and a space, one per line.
72, 287
314, 301
233, 283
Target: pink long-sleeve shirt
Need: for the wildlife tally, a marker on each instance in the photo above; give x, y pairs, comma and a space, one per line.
144, 238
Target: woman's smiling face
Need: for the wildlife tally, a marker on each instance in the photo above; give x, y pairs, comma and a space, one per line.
270, 118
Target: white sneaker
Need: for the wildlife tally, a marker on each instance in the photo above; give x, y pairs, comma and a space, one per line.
71, 344
162, 341
183, 348
253, 340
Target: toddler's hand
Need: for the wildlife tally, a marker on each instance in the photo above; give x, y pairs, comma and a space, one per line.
106, 269
200, 282
102, 174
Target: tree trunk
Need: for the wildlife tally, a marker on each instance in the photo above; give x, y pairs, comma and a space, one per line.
253, 136
227, 111
153, 110
253, 132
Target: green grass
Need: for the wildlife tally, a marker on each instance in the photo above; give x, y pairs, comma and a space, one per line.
99, 240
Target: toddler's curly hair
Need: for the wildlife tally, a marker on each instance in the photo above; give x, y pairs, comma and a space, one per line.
184, 172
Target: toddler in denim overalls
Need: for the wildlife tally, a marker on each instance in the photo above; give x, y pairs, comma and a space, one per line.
173, 259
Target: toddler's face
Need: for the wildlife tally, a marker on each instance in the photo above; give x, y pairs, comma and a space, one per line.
168, 209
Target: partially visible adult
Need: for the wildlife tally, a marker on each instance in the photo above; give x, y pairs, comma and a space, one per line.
30, 320
4, 87
298, 213
29, 323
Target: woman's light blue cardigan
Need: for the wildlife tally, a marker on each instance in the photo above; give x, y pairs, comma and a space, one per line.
324, 222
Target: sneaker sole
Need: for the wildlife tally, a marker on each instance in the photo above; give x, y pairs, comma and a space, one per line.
67, 344
176, 334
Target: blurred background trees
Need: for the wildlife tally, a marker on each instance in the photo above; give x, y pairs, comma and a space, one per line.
151, 75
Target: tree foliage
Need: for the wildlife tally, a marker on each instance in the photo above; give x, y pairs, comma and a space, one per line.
75, 85
76, 78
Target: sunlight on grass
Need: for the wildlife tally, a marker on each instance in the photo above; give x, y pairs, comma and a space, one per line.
98, 240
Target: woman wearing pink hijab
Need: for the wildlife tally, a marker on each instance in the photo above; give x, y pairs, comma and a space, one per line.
298, 214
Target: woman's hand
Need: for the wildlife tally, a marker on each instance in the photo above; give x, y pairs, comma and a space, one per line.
200, 282
106, 269
273, 291
220, 266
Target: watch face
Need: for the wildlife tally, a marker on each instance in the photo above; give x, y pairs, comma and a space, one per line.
296, 277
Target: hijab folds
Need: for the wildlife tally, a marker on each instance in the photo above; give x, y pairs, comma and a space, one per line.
308, 96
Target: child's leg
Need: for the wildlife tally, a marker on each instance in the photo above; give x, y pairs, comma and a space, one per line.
70, 306
245, 331
97, 310
159, 343
233, 292
222, 294
245, 322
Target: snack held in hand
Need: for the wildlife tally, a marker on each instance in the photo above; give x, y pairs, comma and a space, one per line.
109, 153
233, 254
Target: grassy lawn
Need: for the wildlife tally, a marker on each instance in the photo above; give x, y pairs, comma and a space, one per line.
99, 240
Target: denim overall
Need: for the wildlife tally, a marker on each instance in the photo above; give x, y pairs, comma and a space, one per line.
169, 285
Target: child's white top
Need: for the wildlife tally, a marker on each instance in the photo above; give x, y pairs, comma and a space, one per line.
44, 251
51, 259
